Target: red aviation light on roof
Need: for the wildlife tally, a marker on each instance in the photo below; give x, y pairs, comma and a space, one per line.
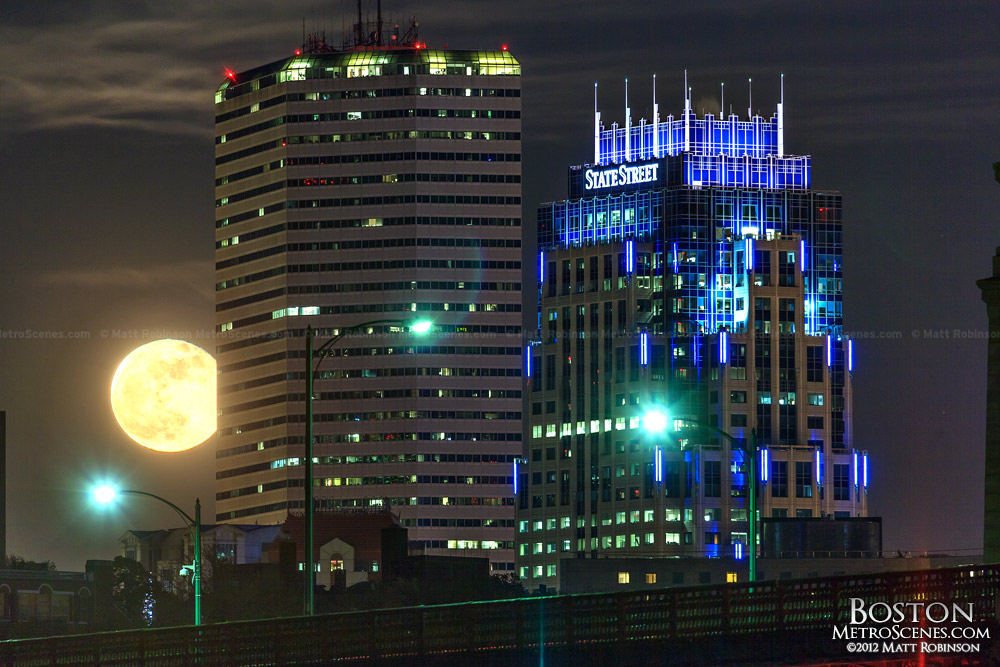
230, 74
504, 47
298, 52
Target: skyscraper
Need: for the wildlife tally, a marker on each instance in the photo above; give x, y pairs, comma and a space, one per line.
377, 182
990, 288
692, 273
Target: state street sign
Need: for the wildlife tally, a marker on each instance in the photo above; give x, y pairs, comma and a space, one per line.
621, 176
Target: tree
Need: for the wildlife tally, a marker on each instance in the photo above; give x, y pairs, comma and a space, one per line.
12, 562
132, 592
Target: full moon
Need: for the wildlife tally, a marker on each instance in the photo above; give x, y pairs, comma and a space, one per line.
163, 395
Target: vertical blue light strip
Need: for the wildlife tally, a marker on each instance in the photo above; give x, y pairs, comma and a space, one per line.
515, 476
676, 260
764, 465
541, 267
819, 467
723, 347
855, 468
630, 256
658, 465
749, 251
829, 350
850, 355
644, 349
527, 356
739, 550
864, 471
802, 255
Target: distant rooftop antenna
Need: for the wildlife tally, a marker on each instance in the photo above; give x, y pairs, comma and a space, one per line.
750, 104
597, 129
656, 122
722, 102
781, 119
628, 125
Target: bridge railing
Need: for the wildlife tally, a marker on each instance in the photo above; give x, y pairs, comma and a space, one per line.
731, 610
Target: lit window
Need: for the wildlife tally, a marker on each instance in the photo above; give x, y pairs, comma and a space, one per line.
623, 578
566, 545
564, 522
537, 548
648, 538
650, 577
550, 524
731, 578
550, 570
522, 527
619, 517
672, 538
619, 541
647, 516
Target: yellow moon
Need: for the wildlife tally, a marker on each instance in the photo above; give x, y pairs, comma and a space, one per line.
163, 395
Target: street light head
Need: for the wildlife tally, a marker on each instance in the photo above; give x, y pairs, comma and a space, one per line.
421, 327
654, 421
105, 494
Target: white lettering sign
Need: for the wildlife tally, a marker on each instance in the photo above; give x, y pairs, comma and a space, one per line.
621, 175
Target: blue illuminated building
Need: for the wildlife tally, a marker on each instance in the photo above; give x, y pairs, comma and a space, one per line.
693, 269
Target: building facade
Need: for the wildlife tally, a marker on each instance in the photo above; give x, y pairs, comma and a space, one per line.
373, 184
695, 274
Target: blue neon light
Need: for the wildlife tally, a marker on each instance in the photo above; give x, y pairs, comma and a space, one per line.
515, 476
541, 267
749, 251
829, 350
527, 357
850, 355
802, 255
764, 465
723, 347
819, 467
864, 477
716, 150
676, 259
658, 465
855, 468
739, 550
629, 256
644, 349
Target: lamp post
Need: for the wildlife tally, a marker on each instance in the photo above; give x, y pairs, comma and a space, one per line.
308, 601
106, 494
657, 422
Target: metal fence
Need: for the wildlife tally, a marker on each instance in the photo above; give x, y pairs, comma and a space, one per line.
512, 630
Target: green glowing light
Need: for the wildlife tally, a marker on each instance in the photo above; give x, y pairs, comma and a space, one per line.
105, 494
654, 421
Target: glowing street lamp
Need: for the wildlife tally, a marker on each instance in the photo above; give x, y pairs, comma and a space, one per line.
313, 360
656, 422
106, 494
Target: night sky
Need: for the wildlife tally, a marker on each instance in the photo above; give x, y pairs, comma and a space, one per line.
107, 209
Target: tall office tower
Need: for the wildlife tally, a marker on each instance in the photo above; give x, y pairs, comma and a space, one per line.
373, 183
692, 276
990, 288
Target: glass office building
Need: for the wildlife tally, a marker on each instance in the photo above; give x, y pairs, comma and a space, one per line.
376, 183
694, 273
